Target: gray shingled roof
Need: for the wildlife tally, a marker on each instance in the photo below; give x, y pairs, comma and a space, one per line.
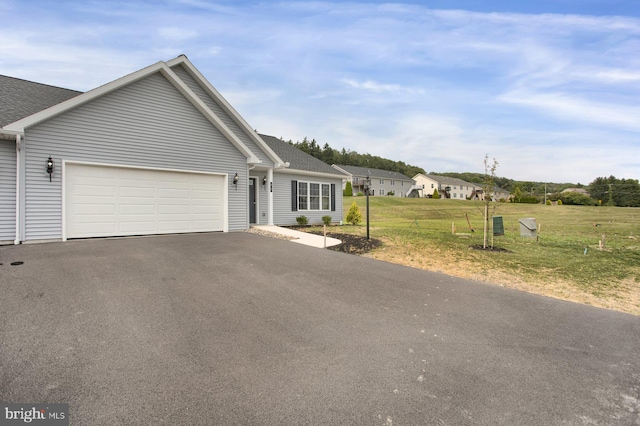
374, 173
298, 159
22, 98
446, 180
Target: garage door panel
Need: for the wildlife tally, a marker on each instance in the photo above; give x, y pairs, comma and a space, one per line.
203, 209
90, 190
129, 209
136, 191
95, 229
173, 193
173, 209
82, 209
110, 201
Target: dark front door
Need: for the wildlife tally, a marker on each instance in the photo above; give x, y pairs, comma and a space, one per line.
252, 200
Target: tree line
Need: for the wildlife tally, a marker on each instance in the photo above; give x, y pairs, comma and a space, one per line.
353, 158
602, 191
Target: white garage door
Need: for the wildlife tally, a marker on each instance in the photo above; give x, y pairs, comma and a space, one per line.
111, 201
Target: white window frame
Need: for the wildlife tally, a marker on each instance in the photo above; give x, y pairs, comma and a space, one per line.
307, 197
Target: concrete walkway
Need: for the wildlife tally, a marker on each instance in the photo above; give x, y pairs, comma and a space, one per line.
300, 237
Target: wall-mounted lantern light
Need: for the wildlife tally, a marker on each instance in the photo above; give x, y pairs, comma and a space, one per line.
236, 178
50, 167
264, 181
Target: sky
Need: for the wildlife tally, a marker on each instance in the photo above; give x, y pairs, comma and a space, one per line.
549, 88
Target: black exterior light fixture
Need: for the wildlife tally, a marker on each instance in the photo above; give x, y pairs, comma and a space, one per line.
264, 181
236, 178
50, 165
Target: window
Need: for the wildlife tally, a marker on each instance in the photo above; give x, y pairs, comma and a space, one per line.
431, 185
392, 182
303, 196
326, 197
314, 196
381, 181
381, 191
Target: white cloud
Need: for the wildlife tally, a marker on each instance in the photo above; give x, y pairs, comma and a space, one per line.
434, 88
176, 33
372, 86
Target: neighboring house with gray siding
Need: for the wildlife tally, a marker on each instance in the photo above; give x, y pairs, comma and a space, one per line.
383, 182
157, 151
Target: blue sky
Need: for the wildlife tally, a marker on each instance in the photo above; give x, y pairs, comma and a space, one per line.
550, 89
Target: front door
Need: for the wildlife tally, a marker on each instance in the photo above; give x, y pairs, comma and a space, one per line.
252, 200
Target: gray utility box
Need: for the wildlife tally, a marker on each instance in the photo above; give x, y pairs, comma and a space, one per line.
528, 227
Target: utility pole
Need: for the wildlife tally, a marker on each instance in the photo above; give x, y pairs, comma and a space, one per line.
610, 196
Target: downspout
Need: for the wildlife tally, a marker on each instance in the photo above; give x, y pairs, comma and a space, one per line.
18, 149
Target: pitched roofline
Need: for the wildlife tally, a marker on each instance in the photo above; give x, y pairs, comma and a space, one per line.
161, 67
340, 169
398, 176
226, 106
310, 173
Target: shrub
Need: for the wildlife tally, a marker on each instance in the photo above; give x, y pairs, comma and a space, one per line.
436, 194
576, 199
354, 216
360, 194
527, 200
326, 220
559, 202
348, 190
302, 220
391, 193
548, 202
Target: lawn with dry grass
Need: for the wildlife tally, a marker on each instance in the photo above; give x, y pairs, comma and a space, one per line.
418, 233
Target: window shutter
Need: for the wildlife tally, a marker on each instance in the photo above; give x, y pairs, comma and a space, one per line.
333, 197
294, 195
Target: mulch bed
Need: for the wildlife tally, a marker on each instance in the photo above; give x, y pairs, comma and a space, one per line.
353, 244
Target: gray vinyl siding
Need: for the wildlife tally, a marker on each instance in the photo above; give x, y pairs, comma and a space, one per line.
400, 187
220, 112
7, 191
147, 123
282, 214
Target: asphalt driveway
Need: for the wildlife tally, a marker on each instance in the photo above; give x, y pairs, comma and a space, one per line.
220, 329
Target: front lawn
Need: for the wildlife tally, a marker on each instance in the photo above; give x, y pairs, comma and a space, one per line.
418, 233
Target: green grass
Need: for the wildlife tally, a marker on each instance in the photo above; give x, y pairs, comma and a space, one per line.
554, 265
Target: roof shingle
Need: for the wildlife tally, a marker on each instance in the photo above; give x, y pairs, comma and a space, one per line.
374, 173
298, 160
21, 98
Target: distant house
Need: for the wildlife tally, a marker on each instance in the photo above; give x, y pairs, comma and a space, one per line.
500, 194
383, 182
581, 191
448, 187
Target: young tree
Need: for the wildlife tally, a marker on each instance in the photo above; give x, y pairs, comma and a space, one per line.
488, 186
517, 194
354, 216
348, 190
436, 194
